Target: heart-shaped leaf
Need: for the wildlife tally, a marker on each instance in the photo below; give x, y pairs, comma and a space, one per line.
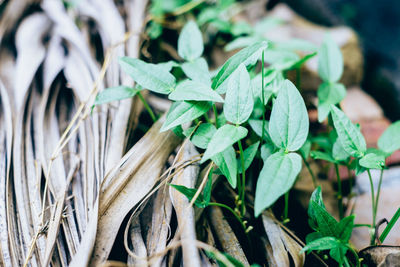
372, 161
247, 56
225, 136
182, 112
239, 100
193, 90
349, 135
197, 70
390, 139
329, 94
150, 76
190, 42
202, 136
248, 156
276, 178
288, 125
226, 162
330, 61
114, 94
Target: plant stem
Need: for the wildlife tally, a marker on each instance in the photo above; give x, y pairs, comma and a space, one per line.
314, 180
286, 211
231, 211
215, 114
146, 105
371, 183
340, 196
262, 98
362, 225
377, 193
242, 193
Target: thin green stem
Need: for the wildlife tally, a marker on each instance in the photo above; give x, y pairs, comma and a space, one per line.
242, 193
146, 105
215, 114
362, 225
378, 193
262, 98
371, 183
314, 180
340, 195
231, 211
286, 211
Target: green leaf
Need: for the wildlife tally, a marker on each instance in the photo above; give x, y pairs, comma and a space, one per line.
256, 125
241, 42
247, 56
190, 42
313, 236
239, 101
248, 156
197, 70
323, 243
267, 24
338, 253
114, 94
256, 84
296, 45
276, 178
183, 112
150, 76
330, 61
326, 224
202, 136
167, 66
372, 161
242, 27
226, 162
280, 59
288, 125
301, 61
349, 135
329, 94
323, 156
390, 139
305, 149
189, 193
267, 150
316, 197
225, 136
196, 91
338, 152
345, 228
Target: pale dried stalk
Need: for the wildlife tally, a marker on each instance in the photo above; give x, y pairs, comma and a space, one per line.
226, 236
185, 215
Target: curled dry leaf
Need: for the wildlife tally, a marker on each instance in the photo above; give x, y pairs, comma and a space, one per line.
128, 183
279, 244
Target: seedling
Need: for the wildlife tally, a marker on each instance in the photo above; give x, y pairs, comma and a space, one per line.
247, 93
